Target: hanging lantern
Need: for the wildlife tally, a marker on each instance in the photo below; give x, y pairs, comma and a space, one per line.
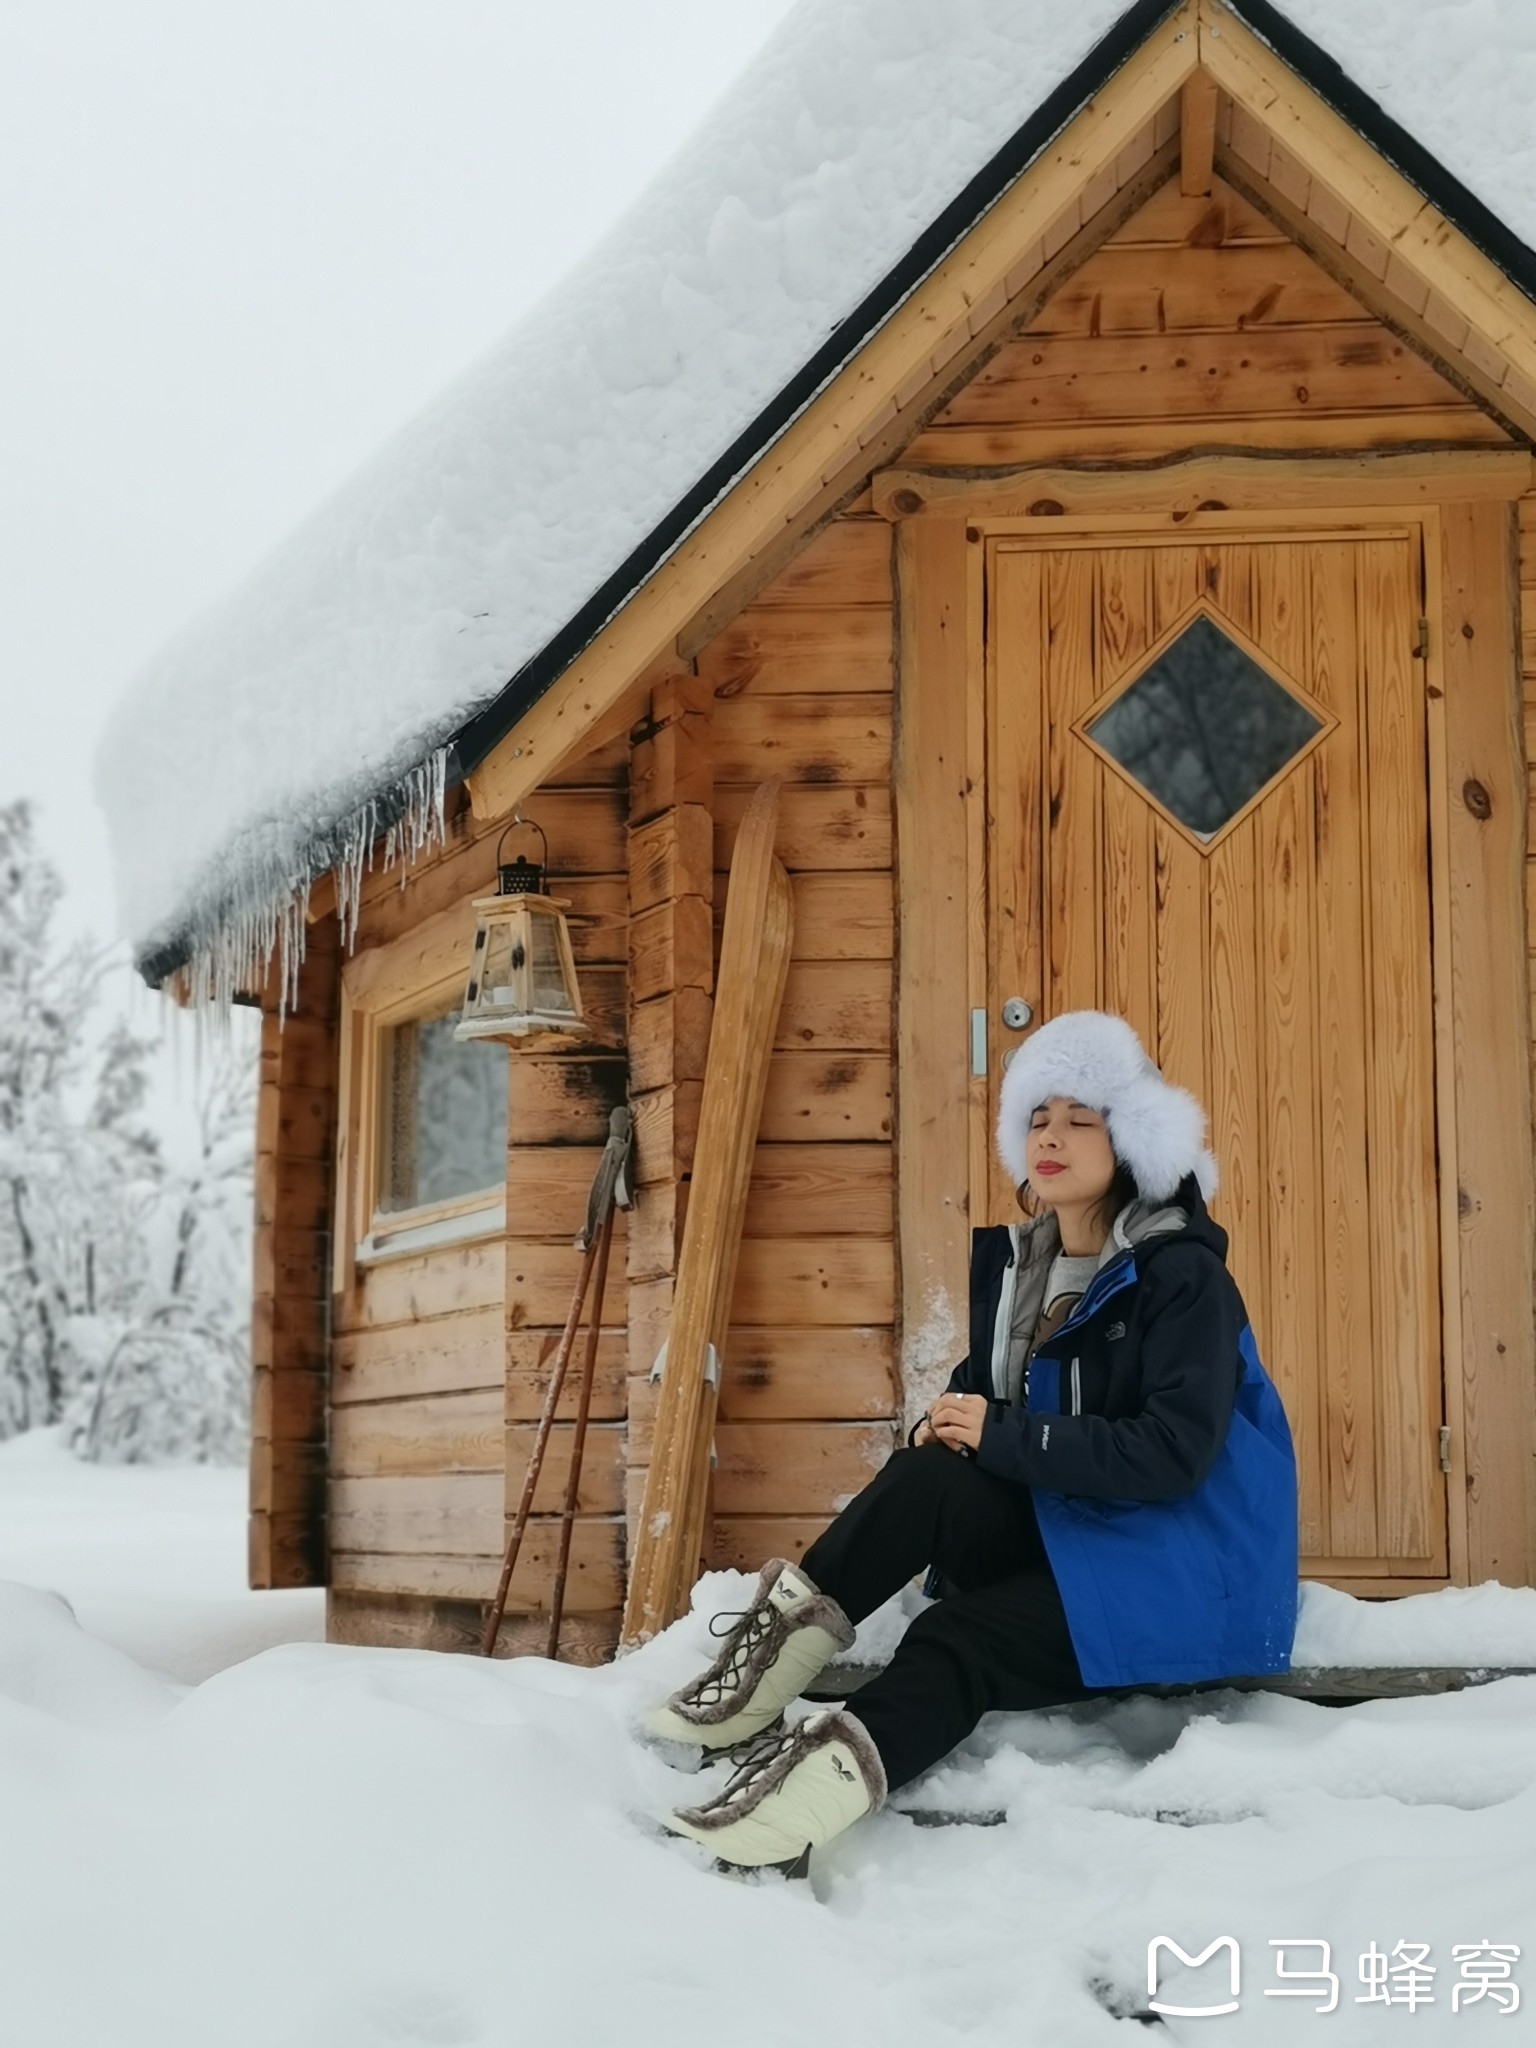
522, 978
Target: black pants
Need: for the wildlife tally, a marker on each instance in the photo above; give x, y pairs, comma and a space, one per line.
1000, 1643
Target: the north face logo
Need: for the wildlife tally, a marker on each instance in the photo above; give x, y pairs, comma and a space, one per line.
1114, 1330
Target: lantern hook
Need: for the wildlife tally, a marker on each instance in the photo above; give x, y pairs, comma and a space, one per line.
522, 877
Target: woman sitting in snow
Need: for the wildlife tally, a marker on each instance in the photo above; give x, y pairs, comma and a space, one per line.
1105, 1494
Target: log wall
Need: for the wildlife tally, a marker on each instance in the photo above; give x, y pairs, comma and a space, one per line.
440, 1360
799, 686
295, 1142
1199, 323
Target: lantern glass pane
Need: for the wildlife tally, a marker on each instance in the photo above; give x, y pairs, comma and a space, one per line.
504, 985
445, 1119
549, 992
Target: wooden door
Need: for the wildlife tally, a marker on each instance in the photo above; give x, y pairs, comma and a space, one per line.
1208, 812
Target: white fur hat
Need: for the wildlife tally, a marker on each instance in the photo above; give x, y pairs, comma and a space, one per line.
1094, 1057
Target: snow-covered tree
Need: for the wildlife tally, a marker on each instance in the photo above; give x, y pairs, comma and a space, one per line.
46, 992
124, 1279
174, 1381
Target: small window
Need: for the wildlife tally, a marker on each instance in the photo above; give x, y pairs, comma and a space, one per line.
443, 1116
1204, 728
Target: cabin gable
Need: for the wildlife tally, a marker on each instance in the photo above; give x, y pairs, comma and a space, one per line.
1208, 293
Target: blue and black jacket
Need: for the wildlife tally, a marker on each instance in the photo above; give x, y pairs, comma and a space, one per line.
1159, 1456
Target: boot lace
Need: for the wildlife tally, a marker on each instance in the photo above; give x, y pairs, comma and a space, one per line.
754, 1755
760, 1628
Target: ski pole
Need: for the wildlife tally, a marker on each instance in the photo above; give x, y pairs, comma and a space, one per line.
610, 1185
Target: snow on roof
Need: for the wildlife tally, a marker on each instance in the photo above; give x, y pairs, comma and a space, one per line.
256, 749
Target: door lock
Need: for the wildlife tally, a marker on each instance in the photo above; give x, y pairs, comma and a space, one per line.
1016, 1013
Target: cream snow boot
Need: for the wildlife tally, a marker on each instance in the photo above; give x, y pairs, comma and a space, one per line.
794, 1792
776, 1648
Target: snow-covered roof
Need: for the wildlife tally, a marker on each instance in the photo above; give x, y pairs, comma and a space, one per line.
449, 581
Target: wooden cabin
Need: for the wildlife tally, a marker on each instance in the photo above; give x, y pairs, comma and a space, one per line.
1214, 417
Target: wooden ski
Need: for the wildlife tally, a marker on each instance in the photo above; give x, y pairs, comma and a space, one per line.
749, 988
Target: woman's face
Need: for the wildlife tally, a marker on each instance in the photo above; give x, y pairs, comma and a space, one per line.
1070, 1160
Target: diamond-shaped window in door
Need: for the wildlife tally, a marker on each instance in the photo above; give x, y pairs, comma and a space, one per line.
1203, 728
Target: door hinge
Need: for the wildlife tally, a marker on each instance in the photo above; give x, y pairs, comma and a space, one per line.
1421, 644
1445, 1450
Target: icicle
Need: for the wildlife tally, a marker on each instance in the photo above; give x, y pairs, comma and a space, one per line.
232, 947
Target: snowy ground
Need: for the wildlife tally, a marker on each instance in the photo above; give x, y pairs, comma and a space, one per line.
343, 1848
151, 1559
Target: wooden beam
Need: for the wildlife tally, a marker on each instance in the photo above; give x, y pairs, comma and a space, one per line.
1197, 135
932, 1071
1185, 486
1364, 182
841, 420
754, 962
1478, 668
671, 976
949, 372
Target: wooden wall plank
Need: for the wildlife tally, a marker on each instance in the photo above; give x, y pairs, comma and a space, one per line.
812, 1190
287, 1536
817, 1098
530, 1358
540, 1278
1339, 940
1027, 444
1486, 778
1072, 874
820, 828
427, 1284
1128, 856
930, 787
1156, 291
838, 916
1012, 858
744, 1543
788, 1374
1300, 371
563, 1101
832, 740
1292, 1340
448, 1355
836, 1006
847, 563
435, 1620
440, 1433
796, 1467
1400, 1070
809, 1281
412, 1513
774, 650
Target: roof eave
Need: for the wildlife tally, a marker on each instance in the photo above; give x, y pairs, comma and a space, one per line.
474, 740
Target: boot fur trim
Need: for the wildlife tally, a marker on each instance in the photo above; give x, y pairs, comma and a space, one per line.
802, 1741
821, 1611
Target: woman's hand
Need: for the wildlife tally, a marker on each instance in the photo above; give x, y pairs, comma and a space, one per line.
956, 1420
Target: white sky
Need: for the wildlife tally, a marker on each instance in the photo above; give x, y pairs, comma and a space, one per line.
240, 242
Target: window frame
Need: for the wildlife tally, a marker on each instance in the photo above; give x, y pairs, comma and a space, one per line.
379, 993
